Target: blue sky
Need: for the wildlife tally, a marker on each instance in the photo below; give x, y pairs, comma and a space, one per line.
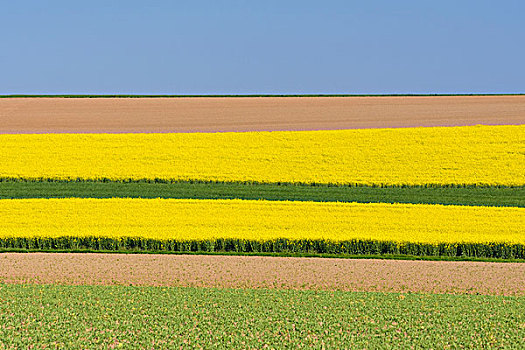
250, 47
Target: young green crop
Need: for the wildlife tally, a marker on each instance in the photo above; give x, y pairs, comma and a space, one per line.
161, 317
487, 196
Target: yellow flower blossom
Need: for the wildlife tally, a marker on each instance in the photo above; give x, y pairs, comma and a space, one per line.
188, 219
414, 156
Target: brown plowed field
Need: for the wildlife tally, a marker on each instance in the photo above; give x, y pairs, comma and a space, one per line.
116, 115
264, 272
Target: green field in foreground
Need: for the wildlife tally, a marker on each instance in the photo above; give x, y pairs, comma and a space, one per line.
488, 196
162, 317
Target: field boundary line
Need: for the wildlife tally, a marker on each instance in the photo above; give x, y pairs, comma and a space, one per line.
247, 95
268, 254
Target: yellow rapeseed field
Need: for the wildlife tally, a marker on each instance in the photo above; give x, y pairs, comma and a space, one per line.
186, 219
443, 155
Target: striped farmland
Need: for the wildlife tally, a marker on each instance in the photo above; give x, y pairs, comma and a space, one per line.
299, 192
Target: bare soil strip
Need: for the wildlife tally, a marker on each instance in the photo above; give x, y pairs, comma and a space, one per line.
264, 272
117, 115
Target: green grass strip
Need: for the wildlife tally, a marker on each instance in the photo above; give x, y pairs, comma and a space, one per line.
351, 247
486, 196
131, 317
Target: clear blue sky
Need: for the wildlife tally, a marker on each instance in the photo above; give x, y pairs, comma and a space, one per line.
230, 47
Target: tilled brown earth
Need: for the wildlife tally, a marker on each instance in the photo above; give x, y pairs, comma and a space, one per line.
264, 272
117, 115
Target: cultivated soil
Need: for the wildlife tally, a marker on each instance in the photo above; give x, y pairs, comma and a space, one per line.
264, 272
117, 115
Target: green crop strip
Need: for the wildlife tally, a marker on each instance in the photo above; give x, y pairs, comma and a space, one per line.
349, 248
487, 196
131, 317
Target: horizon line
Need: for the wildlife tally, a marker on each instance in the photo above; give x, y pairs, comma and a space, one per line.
245, 95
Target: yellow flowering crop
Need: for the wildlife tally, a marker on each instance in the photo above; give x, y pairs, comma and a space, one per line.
186, 219
443, 155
